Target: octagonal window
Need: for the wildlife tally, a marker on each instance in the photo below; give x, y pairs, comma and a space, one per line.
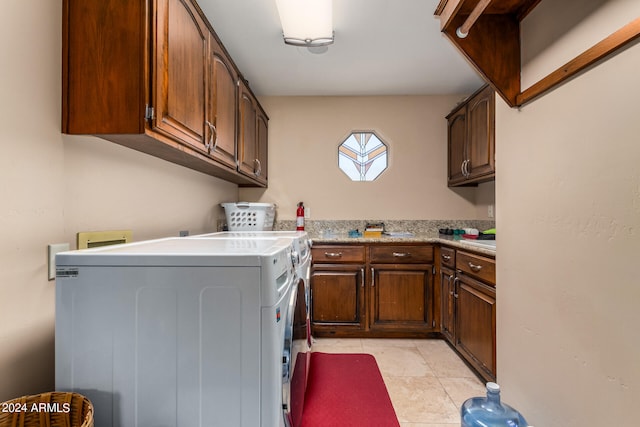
362, 156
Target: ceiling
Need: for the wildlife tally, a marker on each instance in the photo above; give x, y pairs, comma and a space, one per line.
382, 47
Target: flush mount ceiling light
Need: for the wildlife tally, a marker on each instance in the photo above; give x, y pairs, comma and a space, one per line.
306, 22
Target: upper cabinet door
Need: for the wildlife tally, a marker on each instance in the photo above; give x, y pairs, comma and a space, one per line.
480, 115
263, 146
471, 133
457, 145
180, 73
247, 147
222, 115
252, 139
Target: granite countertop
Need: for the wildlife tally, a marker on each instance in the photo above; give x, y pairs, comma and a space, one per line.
422, 231
454, 241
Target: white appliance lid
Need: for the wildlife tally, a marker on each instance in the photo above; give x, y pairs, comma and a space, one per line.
253, 234
176, 250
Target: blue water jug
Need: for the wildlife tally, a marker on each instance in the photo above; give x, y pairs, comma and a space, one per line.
489, 412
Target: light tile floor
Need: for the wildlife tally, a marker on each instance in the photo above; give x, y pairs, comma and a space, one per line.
426, 380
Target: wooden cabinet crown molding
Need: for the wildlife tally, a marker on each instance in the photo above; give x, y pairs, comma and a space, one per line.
493, 45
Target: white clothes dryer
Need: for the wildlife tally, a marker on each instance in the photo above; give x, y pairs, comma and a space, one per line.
180, 332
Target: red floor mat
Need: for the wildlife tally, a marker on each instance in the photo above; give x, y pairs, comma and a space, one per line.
346, 390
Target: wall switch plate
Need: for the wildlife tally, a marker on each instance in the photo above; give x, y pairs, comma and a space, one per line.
307, 212
52, 250
490, 211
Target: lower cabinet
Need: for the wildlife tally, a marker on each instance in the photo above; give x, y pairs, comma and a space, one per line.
337, 298
337, 290
475, 331
468, 308
399, 298
373, 290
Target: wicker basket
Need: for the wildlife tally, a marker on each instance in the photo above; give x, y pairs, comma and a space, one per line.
55, 409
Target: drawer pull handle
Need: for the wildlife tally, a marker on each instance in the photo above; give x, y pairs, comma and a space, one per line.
333, 254
401, 254
446, 257
475, 267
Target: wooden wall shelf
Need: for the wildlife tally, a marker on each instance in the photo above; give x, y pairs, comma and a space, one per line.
492, 45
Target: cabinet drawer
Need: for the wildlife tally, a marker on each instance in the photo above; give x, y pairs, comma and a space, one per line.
477, 266
448, 257
337, 254
401, 254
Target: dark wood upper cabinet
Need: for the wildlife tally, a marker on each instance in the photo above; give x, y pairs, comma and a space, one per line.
457, 145
180, 74
493, 45
104, 52
252, 137
152, 76
223, 107
471, 140
248, 152
263, 145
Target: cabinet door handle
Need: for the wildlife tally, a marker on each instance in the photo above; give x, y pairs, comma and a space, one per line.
207, 142
455, 283
462, 168
211, 145
215, 142
401, 254
475, 267
362, 277
446, 257
257, 171
373, 277
333, 254
466, 168
450, 279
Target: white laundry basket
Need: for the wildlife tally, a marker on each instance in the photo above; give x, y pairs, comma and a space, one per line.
245, 216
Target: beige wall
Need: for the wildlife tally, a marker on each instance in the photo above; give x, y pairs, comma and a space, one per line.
52, 186
568, 199
304, 134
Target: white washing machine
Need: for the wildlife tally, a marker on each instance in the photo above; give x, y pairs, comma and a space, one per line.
301, 257
300, 239
301, 250
182, 332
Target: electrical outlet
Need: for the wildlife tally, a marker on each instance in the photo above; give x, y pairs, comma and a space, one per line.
490, 211
52, 250
183, 233
307, 212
